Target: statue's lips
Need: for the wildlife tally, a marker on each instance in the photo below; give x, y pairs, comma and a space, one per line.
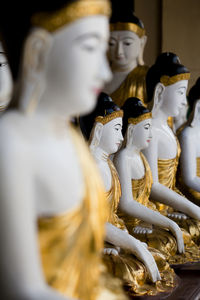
96, 91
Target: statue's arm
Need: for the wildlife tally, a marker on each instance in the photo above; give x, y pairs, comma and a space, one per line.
139, 211
188, 161
21, 271
124, 240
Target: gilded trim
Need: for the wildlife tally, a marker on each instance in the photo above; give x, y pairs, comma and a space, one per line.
110, 117
127, 26
52, 21
137, 120
167, 80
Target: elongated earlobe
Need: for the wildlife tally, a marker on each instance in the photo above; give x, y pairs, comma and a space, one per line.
143, 43
34, 62
157, 98
129, 134
95, 136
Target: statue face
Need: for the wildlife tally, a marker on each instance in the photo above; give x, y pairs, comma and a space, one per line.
111, 137
124, 49
174, 98
77, 66
142, 134
6, 83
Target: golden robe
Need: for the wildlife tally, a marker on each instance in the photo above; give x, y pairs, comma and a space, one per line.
71, 243
161, 239
167, 169
126, 266
191, 194
133, 86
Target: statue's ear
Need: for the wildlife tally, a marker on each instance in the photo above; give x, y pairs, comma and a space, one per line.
157, 97
143, 41
96, 135
32, 77
36, 49
129, 133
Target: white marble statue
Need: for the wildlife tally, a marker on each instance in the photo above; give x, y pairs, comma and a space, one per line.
126, 47
45, 167
136, 180
167, 82
190, 149
105, 140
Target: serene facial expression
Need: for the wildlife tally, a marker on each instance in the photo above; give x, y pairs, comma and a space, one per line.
174, 98
124, 49
6, 83
77, 66
111, 137
142, 134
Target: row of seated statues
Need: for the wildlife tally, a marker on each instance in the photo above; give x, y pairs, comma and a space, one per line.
108, 210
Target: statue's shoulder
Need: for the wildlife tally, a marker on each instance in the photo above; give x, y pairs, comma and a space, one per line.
12, 129
187, 132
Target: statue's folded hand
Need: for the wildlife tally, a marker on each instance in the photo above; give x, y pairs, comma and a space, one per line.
143, 229
111, 251
177, 216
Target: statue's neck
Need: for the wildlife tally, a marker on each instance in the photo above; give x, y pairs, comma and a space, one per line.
160, 117
100, 154
126, 68
132, 148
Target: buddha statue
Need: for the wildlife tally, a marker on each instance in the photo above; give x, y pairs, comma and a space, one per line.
53, 206
139, 213
124, 255
125, 53
6, 83
189, 172
166, 83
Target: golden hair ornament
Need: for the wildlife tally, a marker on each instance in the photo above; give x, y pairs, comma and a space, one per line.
110, 117
137, 120
52, 21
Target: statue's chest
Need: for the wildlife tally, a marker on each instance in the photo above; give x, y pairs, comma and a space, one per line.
167, 145
58, 178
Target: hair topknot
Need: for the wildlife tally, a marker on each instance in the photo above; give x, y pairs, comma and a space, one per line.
123, 11
105, 106
167, 64
133, 108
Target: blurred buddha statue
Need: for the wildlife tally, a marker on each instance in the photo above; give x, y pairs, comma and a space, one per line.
126, 47
53, 206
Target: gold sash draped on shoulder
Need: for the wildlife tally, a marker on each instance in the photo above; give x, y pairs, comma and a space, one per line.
167, 169
125, 265
133, 86
71, 243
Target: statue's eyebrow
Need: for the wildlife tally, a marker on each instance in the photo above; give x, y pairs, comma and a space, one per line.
88, 35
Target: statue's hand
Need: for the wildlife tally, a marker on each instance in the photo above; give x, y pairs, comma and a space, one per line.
175, 229
143, 229
194, 211
111, 251
141, 251
177, 216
